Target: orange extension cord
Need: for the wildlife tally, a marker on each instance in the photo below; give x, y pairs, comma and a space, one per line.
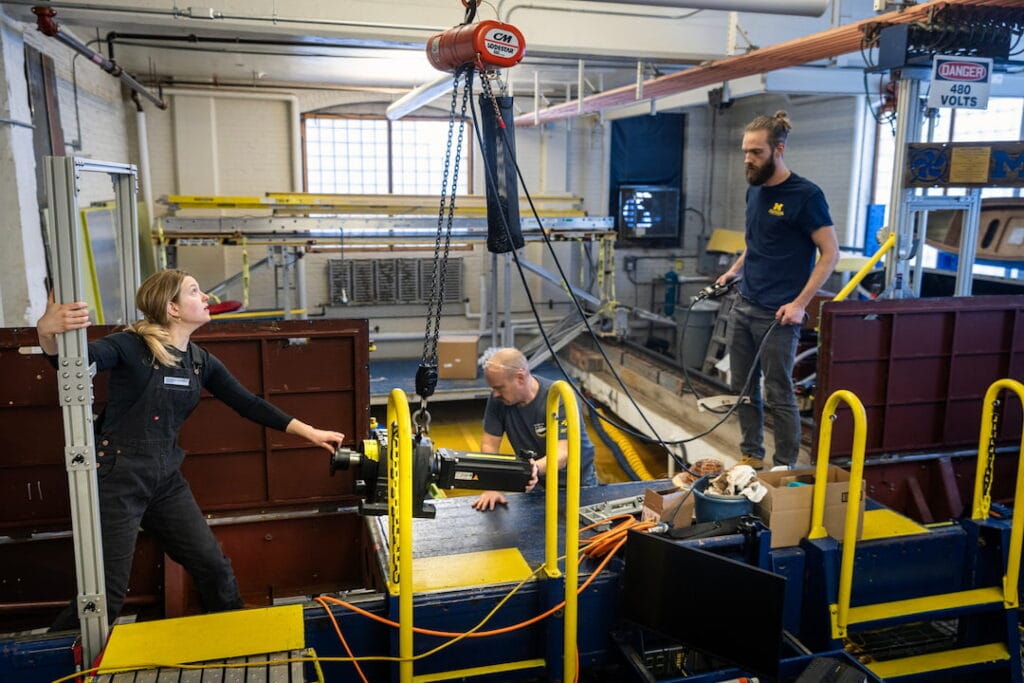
604, 544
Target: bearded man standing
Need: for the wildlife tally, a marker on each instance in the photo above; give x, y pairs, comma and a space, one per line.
787, 225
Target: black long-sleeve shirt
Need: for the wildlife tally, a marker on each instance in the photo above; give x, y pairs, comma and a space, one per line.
130, 363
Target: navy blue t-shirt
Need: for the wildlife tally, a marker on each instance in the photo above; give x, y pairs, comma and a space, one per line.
526, 428
780, 252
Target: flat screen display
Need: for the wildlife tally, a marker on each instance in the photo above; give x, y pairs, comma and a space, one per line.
649, 213
705, 601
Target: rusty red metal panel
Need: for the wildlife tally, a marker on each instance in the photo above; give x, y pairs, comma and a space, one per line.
921, 367
227, 481
297, 475
37, 579
309, 365
280, 557
314, 370
215, 428
33, 497
241, 357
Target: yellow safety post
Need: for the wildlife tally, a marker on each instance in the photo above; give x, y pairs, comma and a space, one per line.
399, 520
840, 611
888, 244
983, 485
161, 245
561, 391
245, 274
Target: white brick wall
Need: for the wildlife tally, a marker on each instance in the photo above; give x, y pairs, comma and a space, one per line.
105, 131
821, 147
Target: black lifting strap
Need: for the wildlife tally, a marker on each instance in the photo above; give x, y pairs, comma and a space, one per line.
426, 374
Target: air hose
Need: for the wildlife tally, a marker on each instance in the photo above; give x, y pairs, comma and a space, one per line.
621, 447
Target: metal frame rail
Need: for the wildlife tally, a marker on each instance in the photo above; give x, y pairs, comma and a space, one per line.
74, 374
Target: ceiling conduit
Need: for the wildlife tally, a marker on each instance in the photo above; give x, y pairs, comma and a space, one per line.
823, 45
807, 8
48, 26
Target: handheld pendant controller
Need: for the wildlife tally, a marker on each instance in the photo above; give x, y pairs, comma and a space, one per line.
441, 467
715, 290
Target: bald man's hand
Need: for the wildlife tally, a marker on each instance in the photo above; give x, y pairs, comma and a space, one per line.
487, 501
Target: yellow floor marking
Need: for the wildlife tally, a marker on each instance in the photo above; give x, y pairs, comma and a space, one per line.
885, 523
205, 637
506, 565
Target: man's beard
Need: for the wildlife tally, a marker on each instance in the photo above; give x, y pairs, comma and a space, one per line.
759, 176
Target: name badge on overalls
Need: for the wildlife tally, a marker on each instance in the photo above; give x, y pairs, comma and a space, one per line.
177, 381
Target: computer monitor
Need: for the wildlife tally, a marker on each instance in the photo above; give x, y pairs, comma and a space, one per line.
649, 214
711, 603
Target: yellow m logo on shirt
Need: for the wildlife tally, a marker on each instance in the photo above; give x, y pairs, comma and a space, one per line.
776, 210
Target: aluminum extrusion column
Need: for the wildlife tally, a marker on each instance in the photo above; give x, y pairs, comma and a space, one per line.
74, 375
908, 126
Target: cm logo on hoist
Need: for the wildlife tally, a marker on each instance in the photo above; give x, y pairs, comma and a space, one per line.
489, 44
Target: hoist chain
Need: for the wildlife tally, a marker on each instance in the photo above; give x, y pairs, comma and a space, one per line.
426, 376
990, 462
485, 85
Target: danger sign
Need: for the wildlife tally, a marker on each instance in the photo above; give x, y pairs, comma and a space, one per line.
961, 82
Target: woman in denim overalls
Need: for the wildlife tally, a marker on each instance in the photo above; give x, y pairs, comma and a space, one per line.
156, 375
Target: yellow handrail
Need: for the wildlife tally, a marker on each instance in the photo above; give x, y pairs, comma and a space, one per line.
888, 244
983, 486
841, 609
400, 544
561, 391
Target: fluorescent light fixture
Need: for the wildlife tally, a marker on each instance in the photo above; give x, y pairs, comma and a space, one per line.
420, 96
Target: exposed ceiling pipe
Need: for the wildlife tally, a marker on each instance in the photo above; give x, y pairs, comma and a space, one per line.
806, 8
823, 45
209, 13
48, 26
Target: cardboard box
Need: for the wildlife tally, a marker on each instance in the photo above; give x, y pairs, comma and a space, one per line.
786, 509
664, 506
456, 357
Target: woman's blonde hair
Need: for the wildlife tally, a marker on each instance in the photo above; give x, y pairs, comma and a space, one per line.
777, 127
158, 290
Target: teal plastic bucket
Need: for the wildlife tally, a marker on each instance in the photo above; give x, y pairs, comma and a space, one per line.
711, 508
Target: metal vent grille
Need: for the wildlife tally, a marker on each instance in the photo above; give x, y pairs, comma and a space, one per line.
339, 281
362, 283
409, 279
386, 279
390, 281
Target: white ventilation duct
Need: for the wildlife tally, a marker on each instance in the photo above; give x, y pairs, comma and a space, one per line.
807, 8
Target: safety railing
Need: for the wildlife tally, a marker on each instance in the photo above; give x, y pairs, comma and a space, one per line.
888, 244
560, 391
400, 518
983, 482
841, 610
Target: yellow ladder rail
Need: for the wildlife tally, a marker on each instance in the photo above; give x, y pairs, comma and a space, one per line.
983, 488
840, 611
400, 561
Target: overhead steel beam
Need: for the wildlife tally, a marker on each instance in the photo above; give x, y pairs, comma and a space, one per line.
823, 45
